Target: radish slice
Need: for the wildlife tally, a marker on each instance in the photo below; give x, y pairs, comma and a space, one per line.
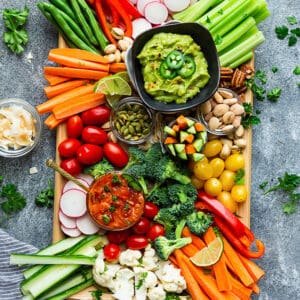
86, 225
156, 13
139, 26
141, 4
176, 5
67, 222
70, 185
73, 203
87, 178
72, 232
133, 1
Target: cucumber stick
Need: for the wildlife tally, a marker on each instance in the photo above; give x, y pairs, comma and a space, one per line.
50, 275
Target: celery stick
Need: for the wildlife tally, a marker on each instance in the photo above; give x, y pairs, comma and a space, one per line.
242, 49
241, 60
236, 33
195, 11
261, 16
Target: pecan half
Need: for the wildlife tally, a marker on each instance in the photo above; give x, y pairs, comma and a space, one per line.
238, 78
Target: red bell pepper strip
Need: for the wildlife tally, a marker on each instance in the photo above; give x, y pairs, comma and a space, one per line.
236, 242
102, 21
130, 9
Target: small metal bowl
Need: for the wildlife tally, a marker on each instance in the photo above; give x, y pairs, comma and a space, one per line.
11, 152
131, 121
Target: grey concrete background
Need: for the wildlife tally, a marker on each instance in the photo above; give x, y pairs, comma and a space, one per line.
276, 146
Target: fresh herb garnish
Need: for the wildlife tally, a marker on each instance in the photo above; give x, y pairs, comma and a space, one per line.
96, 294
114, 198
274, 94
115, 179
15, 37
292, 40
46, 197
106, 189
281, 32
261, 76
239, 177
112, 209
274, 69
296, 71
292, 20
296, 31
258, 91
249, 119
143, 276
105, 219
172, 296
263, 185
126, 207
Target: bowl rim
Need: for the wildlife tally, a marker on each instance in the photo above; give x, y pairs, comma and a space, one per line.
6, 102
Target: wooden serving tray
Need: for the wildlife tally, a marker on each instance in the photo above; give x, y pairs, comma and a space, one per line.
243, 209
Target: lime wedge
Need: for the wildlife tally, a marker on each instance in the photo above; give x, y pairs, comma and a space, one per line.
209, 255
124, 75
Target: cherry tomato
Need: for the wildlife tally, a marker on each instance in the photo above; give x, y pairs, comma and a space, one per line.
89, 154
218, 166
212, 148
68, 147
118, 237
150, 210
94, 135
111, 252
96, 116
155, 231
137, 242
142, 226
227, 180
235, 162
203, 170
72, 166
74, 126
115, 154
226, 199
239, 193
213, 186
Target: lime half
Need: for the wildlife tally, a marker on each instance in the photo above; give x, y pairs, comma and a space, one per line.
209, 255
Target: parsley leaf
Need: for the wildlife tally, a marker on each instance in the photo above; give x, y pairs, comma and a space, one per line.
274, 94
261, 76
296, 31
249, 119
296, 71
143, 276
292, 40
281, 32
292, 20
172, 296
96, 294
263, 185
46, 197
239, 177
258, 91
274, 69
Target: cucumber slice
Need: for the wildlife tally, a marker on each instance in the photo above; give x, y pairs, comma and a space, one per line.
168, 130
190, 122
172, 149
198, 144
179, 148
192, 130
197, 156
183, 135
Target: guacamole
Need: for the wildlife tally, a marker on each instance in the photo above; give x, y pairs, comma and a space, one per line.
173, 67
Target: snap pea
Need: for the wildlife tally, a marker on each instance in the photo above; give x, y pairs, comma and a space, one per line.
82, 21
101, 38
64, 6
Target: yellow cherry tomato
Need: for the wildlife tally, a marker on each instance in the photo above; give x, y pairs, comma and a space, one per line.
218, 166
226, 199
203, 170
212, 148
227, 180
235, 162
213, 186
196, 182
239, 193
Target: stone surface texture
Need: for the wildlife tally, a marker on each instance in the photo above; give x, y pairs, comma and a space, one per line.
276, 145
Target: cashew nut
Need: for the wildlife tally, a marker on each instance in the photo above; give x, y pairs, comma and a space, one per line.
110, 49
117, 33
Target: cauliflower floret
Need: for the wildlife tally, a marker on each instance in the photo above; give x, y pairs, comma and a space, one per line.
157, 293
149, 278
130, 258
124, 284
150, 259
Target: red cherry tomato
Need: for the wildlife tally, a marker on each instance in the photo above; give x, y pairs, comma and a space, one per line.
155, 231
115, 154
96, 116
137, 242
111, 252
118, 237
74, 126
150, 210
72, 166
94, 135
89, 154
68, 147
142, 226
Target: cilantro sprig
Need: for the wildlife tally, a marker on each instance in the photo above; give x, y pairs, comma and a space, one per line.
249, 119
46, 197
283, 31
239, 177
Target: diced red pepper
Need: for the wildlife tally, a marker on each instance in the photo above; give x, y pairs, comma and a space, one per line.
130, 9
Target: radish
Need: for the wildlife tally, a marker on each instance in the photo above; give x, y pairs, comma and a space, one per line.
73, 203
70, 185
133, 2
177, 5
67, 222
72, 232
87, 178
139, 26
156, 13
142, 3
86, 224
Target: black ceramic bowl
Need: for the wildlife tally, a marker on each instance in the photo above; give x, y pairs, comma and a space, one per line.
203, 38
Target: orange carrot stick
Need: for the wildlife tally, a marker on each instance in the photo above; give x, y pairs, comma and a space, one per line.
219, 268
239, 289
51, 122
74, 72
77, 63
61, 98
254, 270
195, 239
117, 67
192, 285
53, 80
255, 288
54, 90
80, 54
189, 250
77, 105
173, 260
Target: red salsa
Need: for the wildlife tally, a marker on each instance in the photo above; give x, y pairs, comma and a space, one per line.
114, 203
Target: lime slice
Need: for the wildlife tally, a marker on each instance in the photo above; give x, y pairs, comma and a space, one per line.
209, 255
124, 75
113, 100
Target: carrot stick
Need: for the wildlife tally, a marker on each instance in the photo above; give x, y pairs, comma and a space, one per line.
117, 67
239, 289
173, 260
77, 105
234, 259
230, 295
80, 54
229, 265
54, 90
195, 239
189, 250
254, 270
208, 285
77, 63
74, 72
53, 80
61, 98
192, 285
51, 122
255, 288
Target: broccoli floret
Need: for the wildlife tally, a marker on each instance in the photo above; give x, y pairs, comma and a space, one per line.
198, 222
165, 247
166, 218
182, 192
99, 169
159, 196
153, 155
